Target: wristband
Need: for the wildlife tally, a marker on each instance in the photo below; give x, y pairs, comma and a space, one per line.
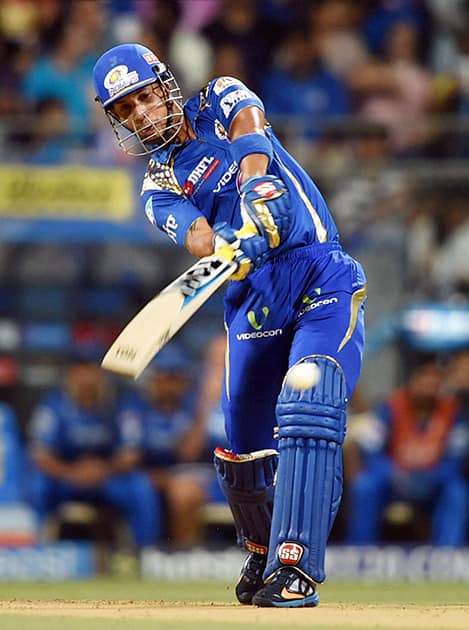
251, 143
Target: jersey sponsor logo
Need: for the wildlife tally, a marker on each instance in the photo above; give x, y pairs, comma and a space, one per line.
204, 169
149, 211
252, 318
229, 102
170, 227
259, 334
307, 300
290, 553
119, 78
226, 177
316, 304
225, 82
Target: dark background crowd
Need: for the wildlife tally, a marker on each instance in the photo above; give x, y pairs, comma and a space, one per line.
372, 96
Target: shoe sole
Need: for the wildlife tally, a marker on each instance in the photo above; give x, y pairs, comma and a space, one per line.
311, 601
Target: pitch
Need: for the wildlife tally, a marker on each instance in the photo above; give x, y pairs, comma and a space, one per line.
126, 605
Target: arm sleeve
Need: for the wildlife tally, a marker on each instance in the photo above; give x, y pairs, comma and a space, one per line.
170, 213
45, 428
130, 428
228, 96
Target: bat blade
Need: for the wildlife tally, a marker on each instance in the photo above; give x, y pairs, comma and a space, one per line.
159, 320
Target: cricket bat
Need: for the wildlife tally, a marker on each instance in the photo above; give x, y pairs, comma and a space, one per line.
165, 314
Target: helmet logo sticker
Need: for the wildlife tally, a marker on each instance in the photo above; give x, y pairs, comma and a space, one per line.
150, 58
119, 78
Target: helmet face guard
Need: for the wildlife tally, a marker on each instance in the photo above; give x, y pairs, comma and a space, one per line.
126, 69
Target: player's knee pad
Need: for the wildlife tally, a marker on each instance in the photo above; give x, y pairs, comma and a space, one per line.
247, 482
311, 431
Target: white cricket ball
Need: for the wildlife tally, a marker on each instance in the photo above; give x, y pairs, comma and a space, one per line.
303, 376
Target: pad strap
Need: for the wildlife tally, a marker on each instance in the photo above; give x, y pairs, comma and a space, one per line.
250, 143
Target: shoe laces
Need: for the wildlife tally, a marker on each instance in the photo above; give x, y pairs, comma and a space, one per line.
254, 566
293, 582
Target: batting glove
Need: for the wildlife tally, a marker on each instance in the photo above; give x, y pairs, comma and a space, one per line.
249, 251
266, 201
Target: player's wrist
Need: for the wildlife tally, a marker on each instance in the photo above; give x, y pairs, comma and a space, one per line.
252, 145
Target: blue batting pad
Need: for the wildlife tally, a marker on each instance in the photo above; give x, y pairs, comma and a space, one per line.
309, 476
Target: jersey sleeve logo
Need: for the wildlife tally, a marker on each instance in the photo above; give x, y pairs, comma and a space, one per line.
225, 82
220, 130
229, 102
170, 227
149, 211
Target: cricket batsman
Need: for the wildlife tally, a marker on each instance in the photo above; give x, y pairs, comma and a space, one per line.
218, 179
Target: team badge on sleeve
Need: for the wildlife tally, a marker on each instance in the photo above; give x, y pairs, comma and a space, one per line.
225, 82
229, 102
149, 211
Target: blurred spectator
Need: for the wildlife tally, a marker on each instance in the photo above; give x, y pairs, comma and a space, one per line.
229, 61
241, 26
188, 53
396, 91
299, 87
374, 196
65, 74
335, 25
210, 423
75, 449
155, 425
49, 142
449, 267
385, 15
11, 457
411, 451
457, 383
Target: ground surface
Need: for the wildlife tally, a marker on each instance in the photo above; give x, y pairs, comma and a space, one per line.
135, 605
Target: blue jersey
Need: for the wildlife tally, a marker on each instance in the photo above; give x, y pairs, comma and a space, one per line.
11, 455
152, 431
70, 432
306, 299
200, 179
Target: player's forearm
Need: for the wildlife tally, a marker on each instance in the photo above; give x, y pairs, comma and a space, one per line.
199, 238
53, 466
250, 120
125, 461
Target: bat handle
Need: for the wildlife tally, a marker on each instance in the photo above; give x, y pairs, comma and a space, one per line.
248, 229
226, 252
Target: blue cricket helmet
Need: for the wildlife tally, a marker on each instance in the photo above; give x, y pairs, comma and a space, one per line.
127, 68
124, 69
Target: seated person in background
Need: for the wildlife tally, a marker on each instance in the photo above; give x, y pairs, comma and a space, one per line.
155, 423
457, 383
11, 456
209, 428
74, 451
410, 453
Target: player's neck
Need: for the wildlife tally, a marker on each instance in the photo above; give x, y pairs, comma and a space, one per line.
186, 133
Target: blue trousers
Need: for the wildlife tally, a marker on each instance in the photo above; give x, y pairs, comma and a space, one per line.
307, 301
445, 495
130, 494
